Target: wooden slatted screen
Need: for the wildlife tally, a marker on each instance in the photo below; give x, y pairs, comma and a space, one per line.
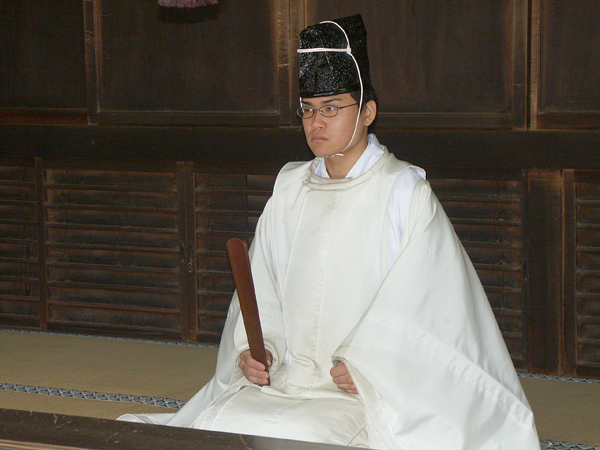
587, 271
113, 250
485, 208
227, 205
19, 263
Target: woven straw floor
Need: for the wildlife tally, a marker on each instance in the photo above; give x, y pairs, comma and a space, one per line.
104, 378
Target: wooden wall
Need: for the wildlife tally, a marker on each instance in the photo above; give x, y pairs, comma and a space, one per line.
499, 64
135, 140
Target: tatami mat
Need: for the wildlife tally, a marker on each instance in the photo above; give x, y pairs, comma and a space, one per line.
105, 365
96, 367
566, 411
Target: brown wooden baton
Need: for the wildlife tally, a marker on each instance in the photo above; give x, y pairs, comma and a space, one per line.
242, 276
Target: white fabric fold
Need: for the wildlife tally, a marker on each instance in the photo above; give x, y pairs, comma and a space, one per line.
441, 376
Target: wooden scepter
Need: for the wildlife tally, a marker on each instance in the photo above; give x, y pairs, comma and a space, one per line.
242, 276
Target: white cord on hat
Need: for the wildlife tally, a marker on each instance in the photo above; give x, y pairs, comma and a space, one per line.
347, 50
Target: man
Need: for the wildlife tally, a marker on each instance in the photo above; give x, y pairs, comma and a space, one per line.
378, 331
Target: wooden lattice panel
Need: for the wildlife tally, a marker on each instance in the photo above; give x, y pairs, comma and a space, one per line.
486, 213
587, 271
113, 250
19, 249
227, 205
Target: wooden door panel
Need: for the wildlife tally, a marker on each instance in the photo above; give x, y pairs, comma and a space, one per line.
442, 64
584, 312
227, 205
113, 250
566, 95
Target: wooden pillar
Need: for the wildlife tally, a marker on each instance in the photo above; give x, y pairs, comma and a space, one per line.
187, 277
545, 270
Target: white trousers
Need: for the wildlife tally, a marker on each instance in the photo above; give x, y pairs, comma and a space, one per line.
337, 421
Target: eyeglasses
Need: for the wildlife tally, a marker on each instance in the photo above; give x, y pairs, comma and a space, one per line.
304, 112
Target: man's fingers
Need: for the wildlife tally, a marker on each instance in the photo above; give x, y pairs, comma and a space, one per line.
342, 378
254, 375
245, 357
248, 360
260, 378
253, 370
350, 388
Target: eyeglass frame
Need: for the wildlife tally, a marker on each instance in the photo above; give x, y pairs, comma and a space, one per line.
313, 110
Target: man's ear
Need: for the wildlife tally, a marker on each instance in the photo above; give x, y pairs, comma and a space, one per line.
370, 112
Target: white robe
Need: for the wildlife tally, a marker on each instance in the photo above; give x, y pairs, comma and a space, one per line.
420, 340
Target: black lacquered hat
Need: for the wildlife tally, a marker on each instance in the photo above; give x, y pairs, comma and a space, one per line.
333, 57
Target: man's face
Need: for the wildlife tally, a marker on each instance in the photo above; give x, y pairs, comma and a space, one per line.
327, 136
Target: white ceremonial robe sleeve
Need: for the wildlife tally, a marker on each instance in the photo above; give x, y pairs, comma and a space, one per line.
233, 340
428, 358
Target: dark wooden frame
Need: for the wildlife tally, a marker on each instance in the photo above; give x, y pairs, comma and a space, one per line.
25, 430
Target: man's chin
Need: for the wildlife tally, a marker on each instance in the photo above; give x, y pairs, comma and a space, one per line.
321, 152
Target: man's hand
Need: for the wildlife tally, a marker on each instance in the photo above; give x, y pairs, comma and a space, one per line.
254, 371
343, 380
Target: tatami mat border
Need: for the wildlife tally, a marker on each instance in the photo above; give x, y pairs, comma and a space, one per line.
555, 445
560, 378
88, 395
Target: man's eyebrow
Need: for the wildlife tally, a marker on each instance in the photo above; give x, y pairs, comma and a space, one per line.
335, 99
304, 102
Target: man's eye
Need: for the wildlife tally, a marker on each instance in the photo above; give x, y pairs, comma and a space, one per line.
330, 108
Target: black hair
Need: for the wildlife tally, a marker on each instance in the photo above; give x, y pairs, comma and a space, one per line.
368, 95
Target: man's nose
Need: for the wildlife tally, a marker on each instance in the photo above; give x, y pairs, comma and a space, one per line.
318, 121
